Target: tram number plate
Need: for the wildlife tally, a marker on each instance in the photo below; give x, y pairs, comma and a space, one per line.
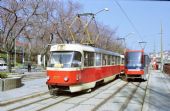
56, 77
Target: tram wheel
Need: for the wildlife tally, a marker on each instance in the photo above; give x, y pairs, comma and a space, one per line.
52, 91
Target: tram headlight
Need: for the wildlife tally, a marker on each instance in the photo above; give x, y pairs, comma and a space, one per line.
77, 77
48, 77
66, 79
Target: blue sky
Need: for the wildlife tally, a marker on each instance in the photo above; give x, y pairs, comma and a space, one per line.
147, 17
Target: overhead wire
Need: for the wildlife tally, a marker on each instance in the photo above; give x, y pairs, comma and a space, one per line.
128, 18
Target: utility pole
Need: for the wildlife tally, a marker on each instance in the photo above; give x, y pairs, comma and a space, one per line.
161, 50
154, 50
124, 40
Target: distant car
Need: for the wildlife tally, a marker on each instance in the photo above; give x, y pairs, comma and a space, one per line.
21, 69
3, 66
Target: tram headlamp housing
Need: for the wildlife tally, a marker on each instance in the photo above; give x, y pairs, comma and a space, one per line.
66, 79
77, 77
48, 77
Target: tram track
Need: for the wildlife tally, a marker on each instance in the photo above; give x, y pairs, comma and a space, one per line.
11, 101
25, 101
108, 98
45, 107
34, 100
128, 99
29, 103
124, 104
47, 102
77, 104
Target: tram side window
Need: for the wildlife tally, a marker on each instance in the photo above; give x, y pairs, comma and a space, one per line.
104, 59
88, 59
113, 60
98, 59
109, 62
116, 60
119, 60
122, 61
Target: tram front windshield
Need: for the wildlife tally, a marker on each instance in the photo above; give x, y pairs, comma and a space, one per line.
134, 59
65, 59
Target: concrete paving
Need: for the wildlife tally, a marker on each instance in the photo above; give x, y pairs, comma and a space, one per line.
158, 92
157, 96
29, 88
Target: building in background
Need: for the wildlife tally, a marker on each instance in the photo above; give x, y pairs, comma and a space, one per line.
156, 58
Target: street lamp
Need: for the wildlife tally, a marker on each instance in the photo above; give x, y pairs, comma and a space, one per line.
92, 15
105, 9
123, 38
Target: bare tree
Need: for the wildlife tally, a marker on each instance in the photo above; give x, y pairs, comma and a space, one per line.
44, 22
14, 18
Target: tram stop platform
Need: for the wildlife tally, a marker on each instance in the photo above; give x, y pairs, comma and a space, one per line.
158, 92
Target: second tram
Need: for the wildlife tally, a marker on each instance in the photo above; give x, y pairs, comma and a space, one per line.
136, 64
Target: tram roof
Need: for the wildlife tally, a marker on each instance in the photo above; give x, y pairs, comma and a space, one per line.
81, 48
134, 50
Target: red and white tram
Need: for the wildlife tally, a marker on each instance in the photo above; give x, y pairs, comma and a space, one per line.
76, 67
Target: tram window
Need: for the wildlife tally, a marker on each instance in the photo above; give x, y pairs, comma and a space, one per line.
77, 59
122, 61
61, 59
104, 60
109, 60
116, 60
98, 59
113, 60
77, 56
88, 59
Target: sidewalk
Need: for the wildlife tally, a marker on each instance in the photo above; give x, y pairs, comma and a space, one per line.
29, 88
158, 92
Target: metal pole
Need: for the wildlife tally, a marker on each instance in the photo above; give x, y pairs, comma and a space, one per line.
23, 55
161, 50
105, 9
15, 54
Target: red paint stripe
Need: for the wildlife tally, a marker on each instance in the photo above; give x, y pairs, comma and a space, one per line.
128, 72
86, 75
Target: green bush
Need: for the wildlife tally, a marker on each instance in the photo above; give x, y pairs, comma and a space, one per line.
3, 74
